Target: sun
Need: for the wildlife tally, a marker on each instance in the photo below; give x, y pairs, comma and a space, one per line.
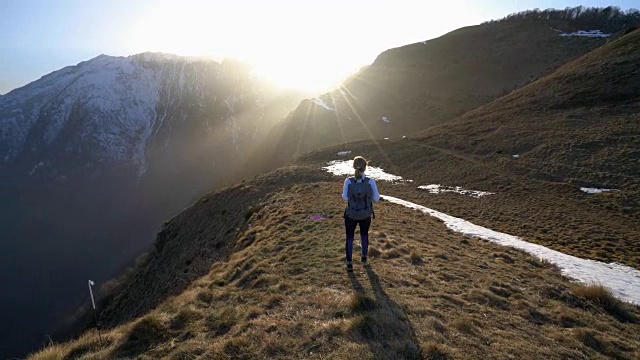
290, 52
310, 75
299, 44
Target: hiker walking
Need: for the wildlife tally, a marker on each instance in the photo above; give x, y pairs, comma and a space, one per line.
359, 191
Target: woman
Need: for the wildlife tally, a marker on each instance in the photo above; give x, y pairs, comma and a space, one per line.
359, 191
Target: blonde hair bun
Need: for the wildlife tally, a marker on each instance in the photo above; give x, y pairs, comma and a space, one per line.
360, 165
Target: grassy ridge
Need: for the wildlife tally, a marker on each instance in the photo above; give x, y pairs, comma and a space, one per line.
429, 293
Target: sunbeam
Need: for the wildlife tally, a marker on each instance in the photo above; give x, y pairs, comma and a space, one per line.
338, 121
366, 128
304, 128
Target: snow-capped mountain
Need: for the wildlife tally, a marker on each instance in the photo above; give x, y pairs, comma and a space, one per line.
95, 156
113, 110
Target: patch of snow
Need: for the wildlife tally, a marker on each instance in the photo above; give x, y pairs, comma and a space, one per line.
437, 189
345, 167
36, 167
589, 33
404, 137
343, 153
168, 103
345, 94
386, 119
323, 104
623, 281
594, 190
386, 138
515, 156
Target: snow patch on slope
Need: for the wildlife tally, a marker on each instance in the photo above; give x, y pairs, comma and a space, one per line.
583, 33
322, 104
41, 163
345, 167
438, 189
589, 190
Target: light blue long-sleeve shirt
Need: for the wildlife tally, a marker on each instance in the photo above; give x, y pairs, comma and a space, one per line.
375, 194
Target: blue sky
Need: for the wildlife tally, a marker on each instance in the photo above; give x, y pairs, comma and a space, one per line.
299, 43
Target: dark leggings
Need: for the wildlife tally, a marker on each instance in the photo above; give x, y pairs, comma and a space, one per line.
350, 227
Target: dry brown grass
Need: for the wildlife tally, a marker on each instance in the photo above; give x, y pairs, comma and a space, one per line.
415, 258
89, 345
602, 297
463, 305
143, 336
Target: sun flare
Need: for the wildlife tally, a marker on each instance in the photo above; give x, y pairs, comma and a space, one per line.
293, 44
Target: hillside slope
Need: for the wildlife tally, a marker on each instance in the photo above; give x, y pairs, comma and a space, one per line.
578, 122
535, 148
415, 86
282, 291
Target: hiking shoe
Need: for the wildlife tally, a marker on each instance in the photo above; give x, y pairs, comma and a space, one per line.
349, 267
364, 260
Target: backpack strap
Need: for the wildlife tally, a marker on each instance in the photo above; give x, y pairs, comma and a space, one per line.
352, 180
373, 211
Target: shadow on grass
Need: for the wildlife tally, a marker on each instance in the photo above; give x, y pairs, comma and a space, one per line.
381, 323
355, 283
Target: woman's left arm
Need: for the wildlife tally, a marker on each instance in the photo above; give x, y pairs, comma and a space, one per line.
345, 189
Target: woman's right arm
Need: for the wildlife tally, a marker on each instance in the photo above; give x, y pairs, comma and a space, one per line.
374, 188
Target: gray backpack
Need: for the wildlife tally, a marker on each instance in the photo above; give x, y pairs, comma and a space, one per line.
360, 205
